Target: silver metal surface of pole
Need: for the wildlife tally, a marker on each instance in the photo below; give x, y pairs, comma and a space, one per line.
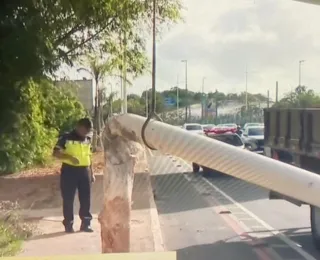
154, 59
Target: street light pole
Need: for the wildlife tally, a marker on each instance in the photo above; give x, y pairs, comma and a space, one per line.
202, 98
246, 88
300, 63
203, 79
186, 81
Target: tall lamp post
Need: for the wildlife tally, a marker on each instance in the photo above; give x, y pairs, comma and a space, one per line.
177, 97
203, 98
300, 63
186, 81
246, 88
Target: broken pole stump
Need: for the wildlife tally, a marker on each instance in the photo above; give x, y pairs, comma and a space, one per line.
124, 154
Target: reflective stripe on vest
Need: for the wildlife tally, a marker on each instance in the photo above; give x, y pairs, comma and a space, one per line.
79, 150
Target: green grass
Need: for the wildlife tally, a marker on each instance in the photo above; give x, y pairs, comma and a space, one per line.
10, 240
13, 229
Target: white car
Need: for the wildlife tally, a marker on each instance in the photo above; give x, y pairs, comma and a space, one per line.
251, 124
194, 128
255, 133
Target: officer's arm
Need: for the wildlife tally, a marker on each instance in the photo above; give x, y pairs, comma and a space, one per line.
58, 150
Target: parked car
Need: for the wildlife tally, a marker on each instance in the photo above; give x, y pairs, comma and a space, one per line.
251, 124
193, 128
207, 127
227, 126
224, 136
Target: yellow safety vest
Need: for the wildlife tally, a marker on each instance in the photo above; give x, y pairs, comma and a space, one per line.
80, 150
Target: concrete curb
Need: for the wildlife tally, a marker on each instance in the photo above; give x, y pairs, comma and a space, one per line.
154, 215
155, 223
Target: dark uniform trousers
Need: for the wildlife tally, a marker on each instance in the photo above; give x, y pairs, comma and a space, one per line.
75, 178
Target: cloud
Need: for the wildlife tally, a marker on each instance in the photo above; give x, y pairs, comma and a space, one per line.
221, 38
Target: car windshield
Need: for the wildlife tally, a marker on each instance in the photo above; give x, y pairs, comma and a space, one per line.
193, 127
256, 131
228, 139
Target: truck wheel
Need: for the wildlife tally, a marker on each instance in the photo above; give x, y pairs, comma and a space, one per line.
315, 225
195, 168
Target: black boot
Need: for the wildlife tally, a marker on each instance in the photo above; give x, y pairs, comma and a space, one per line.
86, 228
68, 229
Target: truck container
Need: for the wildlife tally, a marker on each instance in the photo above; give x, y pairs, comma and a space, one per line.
293, 136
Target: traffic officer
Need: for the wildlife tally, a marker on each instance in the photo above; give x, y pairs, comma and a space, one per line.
74, 150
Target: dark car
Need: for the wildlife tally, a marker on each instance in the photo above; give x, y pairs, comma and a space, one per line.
228, 138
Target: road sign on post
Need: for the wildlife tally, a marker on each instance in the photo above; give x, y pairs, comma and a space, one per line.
169, 101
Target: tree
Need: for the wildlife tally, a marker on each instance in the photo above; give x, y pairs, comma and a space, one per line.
98, 68
43, 111
301, 97
56, 31
39, 36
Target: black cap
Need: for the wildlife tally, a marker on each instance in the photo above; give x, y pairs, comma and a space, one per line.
85, 122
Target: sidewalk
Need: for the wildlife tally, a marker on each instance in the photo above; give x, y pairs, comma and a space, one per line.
145, 228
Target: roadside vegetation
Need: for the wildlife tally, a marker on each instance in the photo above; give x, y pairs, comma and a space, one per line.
41, 36
13, 229
38, 39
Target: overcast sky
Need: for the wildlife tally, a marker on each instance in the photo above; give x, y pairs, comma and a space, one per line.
220, 37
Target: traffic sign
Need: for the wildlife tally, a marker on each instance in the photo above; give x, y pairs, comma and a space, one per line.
169, 101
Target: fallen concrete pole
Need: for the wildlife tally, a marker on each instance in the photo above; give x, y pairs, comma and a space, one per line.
124, 156
271, 174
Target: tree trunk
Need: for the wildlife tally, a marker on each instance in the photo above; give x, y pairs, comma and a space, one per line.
124, 156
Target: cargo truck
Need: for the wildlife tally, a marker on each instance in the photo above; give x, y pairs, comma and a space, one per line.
293, 136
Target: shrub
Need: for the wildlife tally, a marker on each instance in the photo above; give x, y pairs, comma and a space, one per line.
13, 230
43, 110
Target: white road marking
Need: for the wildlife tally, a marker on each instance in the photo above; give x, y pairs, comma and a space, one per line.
270, 229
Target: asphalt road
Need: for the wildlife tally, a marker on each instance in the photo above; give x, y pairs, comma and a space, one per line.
225, 218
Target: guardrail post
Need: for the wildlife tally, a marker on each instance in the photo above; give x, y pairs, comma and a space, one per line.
123, 154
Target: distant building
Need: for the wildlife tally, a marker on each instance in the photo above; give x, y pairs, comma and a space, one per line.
83, 90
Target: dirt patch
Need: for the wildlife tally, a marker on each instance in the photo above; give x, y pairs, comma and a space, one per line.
38, 188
